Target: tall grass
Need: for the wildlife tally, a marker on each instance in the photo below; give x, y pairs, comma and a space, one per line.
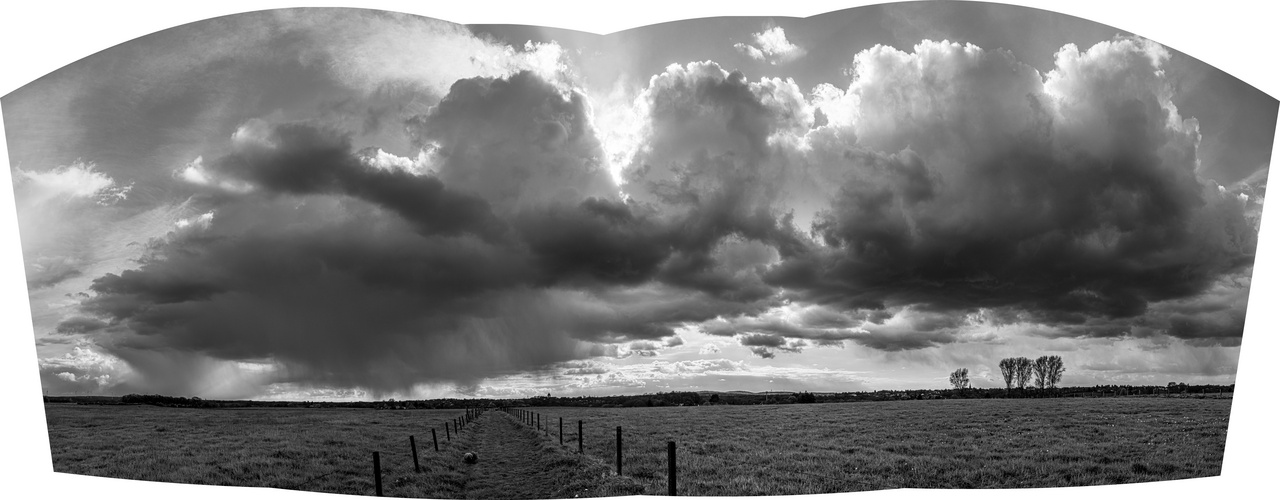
327, 450
722, 450
798, 449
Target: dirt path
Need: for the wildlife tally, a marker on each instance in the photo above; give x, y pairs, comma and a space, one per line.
518, 462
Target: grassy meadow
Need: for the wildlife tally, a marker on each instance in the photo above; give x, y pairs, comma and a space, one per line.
721, 450
327, 450
988, 443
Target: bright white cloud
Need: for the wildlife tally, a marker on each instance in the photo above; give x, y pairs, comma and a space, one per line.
417, 165
78, 180
771, 45
196, 173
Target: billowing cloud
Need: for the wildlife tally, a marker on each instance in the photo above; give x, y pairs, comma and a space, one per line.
515, 141
770, 45
428, 208
345, 273
83, 370
1073, 194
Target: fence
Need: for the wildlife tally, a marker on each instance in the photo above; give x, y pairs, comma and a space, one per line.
451, 428
537, 423
534, 420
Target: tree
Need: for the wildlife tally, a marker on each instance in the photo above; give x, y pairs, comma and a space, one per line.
1008, 368
1022, 371
1054, 370
960, 378
715, 399
1041, 367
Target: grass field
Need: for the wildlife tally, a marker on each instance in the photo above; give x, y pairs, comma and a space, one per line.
721, 450
327, 450
996, 443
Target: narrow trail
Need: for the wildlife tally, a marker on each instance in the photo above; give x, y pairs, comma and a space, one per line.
518, 462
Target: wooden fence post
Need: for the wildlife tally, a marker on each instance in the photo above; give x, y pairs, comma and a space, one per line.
579, 436
433, 440
447, 435
377, 474
539, 421
561, 431
671, 468
414, 445
619, 450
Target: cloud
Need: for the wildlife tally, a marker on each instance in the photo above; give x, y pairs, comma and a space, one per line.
771, 45
301, 159
515, 141
583, 368
1072, 194
949, 197
372, 49
48, 271
345, 273
80, 324
78, 180
699, 366
196, 173
707, 165
763, 352
83, 370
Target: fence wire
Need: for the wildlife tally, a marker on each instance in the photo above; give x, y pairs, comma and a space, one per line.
843, 481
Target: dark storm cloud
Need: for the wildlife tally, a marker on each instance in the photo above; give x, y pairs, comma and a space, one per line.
345, 272
762, 340
80, 324
300, 159
768, 326
515, 141
705, 162
1073, 199
957, 179
361, 300
889, 338
1213, 317
597, 238
763, 352
937, 185
51, 277
765, 345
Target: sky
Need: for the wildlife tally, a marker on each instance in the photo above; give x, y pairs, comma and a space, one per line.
347, 204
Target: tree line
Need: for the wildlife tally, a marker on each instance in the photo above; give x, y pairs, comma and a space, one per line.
1045, 372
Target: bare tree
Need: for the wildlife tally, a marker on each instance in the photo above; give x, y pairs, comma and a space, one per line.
960, 378
1041, 367
1008, 368
1022, 371
1054, 370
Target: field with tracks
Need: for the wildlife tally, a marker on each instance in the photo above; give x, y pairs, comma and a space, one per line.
721, 450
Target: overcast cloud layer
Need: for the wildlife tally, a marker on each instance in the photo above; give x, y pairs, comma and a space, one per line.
349, 204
